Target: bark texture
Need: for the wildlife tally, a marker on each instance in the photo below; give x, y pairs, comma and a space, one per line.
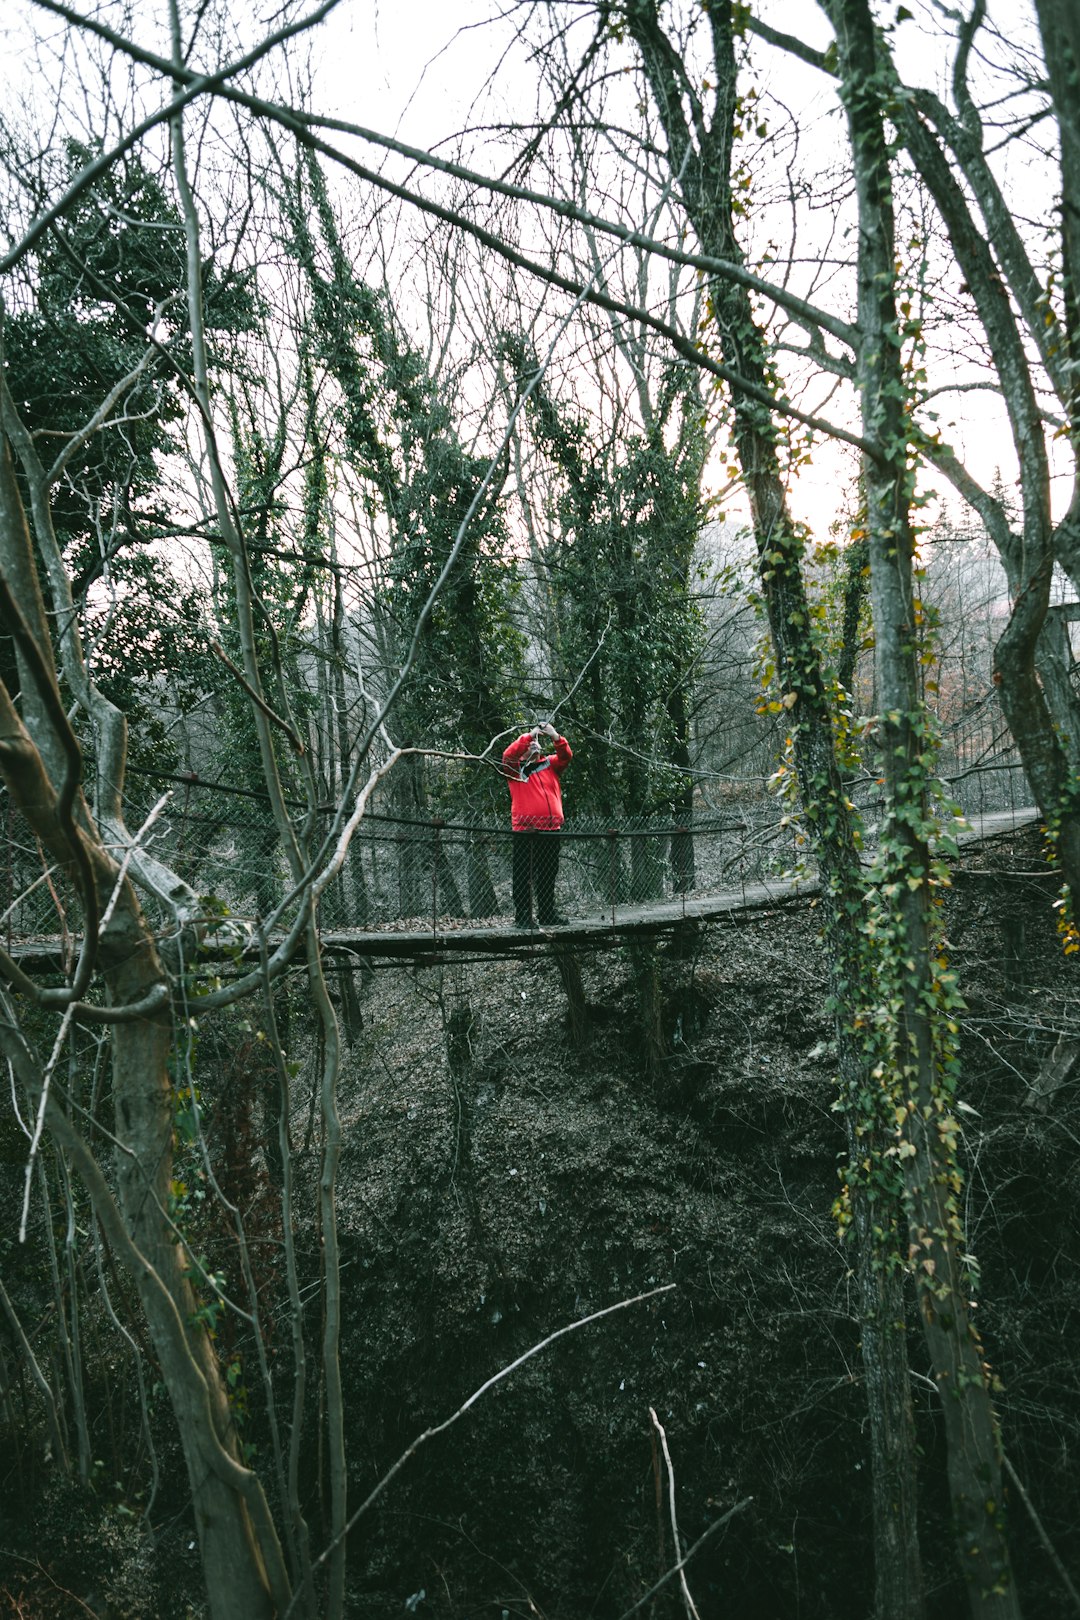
934, 1230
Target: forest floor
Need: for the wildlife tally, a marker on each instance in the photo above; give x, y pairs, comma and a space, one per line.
500, 1181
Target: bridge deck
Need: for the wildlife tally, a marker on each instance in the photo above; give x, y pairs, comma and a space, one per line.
498, 936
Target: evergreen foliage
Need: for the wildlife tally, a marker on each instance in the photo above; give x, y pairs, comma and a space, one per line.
398, 437
622, 571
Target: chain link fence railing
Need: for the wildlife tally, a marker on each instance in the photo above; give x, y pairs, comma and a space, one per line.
425, 871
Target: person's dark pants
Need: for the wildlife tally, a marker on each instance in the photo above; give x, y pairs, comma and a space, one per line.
536, 866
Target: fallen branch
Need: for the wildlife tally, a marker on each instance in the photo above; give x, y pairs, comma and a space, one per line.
676, 1569
688, 1602
477, 1394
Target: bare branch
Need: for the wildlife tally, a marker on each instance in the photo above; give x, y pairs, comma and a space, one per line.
676, 1569
275, 718
466, 1406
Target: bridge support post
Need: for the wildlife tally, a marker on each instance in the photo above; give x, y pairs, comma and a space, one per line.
651, 1002
577, 1012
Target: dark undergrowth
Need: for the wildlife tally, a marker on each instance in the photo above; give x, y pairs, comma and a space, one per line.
499, 1182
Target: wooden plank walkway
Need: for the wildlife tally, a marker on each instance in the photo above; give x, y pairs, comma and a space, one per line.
498, 937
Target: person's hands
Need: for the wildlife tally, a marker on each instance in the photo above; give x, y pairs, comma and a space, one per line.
549, 730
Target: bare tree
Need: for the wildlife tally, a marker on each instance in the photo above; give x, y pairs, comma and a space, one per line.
699, 132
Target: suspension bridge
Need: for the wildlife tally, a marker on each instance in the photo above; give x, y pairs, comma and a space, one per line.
424, 887
615, 883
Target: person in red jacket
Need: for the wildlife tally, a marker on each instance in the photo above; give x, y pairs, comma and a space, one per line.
536, 814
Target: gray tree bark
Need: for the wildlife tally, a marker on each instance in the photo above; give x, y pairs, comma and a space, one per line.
935, 1235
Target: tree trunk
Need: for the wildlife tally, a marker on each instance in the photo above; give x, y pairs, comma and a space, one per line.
897, 1583
242, 1561
483, 901
704, 183
236, 1577
926, 1145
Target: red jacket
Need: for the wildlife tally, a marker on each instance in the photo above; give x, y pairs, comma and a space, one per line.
535, 789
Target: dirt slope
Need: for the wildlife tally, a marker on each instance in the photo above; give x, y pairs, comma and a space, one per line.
498, 1184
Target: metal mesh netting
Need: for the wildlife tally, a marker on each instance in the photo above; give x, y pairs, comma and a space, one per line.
400, 870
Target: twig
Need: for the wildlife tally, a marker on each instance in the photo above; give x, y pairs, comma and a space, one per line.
676, 1569
688, 1602
46, 877
106, 915
39, 1124
35, 1564
584, 668
1040, 1529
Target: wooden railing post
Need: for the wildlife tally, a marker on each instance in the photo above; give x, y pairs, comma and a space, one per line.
436, 826
682, 836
